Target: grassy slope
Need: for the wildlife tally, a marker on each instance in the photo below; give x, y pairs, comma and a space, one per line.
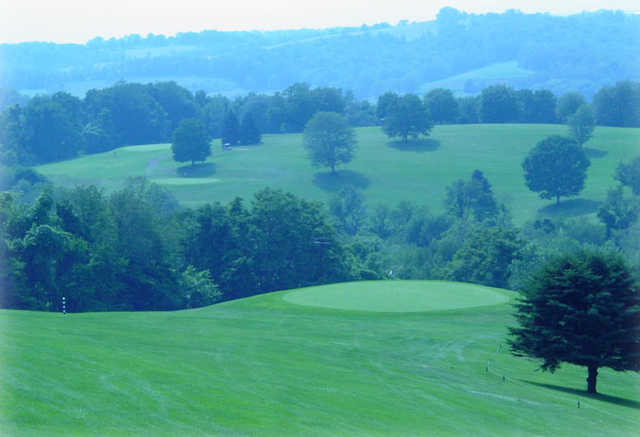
499, 71
261, 366
388, 174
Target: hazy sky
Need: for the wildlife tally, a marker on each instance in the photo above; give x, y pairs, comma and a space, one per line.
81, 20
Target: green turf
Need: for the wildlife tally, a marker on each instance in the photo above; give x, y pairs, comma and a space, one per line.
387, 172
264, 366
398, 296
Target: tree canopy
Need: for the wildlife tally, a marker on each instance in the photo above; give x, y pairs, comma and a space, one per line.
582, 124
329, 140
582, 309
629, 174
568, 104
230, 129
442, 105
190, 141
474, 197
248, 131
555, 167
498, 104
406, 116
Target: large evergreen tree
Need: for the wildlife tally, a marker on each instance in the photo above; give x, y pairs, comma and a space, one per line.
582, 309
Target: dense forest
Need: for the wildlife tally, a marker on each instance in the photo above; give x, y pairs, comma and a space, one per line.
467, 52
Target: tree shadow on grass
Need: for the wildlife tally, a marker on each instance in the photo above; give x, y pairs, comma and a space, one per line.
595, 153
419, 145
200, 170
597, 396
570, 208
335, 181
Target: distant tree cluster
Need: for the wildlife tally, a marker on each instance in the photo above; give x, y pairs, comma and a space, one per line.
61, 126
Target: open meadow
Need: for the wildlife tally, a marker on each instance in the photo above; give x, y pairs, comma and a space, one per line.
387, 171
368, 358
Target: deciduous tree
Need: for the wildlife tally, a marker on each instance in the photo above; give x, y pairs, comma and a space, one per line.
442, 105
582, 124
556, 166
230, 129
249, 133
329, 140
568, 104
190, 141
618, 212
408, 117
629, 175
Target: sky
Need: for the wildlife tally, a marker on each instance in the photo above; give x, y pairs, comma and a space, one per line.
77, 21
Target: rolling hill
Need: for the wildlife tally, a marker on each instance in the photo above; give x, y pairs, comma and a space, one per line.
286, 363
580, 52
387, 172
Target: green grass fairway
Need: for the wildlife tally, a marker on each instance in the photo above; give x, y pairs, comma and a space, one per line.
266, 367
398, 296
387, 172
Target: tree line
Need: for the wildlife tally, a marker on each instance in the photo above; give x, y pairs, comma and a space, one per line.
61, 126
136, 249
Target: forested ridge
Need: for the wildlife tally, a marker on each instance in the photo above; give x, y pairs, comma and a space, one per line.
581, 52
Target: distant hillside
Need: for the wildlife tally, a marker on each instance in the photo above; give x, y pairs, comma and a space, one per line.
386, 172
466, 52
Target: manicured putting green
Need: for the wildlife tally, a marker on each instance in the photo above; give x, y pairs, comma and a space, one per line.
398, 296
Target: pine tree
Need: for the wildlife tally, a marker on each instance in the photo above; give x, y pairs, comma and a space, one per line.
583, 309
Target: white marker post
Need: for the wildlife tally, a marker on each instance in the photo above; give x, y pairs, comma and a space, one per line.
64, 306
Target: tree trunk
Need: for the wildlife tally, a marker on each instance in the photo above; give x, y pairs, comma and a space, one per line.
333, 168
591, 379
557, 199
